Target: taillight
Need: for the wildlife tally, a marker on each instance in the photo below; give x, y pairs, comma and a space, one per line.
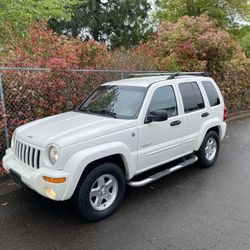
225, 116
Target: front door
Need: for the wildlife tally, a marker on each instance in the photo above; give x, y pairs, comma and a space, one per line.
160, 142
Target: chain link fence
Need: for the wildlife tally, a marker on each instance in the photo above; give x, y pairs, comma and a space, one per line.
28, 94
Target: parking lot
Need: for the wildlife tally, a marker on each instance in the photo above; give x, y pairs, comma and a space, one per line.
190, 209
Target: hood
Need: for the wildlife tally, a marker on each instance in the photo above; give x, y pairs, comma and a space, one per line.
69, 128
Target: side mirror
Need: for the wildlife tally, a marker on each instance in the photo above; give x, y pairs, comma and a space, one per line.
157, 116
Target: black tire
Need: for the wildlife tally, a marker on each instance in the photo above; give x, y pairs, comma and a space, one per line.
82, 199
203, 159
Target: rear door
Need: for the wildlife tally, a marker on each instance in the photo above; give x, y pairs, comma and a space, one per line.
194, 113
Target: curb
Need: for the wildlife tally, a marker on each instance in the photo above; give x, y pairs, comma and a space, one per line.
240, 116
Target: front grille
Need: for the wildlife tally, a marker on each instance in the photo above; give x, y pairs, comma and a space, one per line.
28, 154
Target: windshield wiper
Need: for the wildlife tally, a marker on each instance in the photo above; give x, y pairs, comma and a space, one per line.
105, 112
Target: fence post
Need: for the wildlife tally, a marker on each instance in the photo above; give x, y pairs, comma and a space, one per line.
4, 114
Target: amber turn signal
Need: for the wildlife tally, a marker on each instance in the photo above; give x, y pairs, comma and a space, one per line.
54, 180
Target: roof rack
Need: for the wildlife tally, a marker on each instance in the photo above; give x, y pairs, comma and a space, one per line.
149, 74
171, 75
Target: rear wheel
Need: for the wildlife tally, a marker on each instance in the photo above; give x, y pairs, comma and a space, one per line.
209, 150
101, 192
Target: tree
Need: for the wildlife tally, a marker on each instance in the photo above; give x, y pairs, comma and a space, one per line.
122, 23
226, 12
242, 34
20, 14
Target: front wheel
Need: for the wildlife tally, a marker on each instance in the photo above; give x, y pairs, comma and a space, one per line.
209, 150
101, 192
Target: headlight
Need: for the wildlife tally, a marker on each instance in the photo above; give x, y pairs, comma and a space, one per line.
53, 154
13, 139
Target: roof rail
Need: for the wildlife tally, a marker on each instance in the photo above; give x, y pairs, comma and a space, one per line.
149, 74
171, 75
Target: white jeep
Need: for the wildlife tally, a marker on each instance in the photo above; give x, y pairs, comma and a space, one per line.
123, 129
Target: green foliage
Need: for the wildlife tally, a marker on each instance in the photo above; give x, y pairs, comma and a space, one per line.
226, 12
245, 43
242, 34
20, 14
122, 23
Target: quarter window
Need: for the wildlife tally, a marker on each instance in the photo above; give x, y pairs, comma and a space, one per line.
191, 96
211, 93
164, 99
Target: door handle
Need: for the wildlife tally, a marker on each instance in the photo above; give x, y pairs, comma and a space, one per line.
175, 123
205, 114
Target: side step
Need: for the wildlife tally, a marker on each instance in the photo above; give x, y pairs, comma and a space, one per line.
163, 173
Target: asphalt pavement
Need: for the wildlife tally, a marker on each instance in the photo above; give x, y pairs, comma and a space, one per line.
190, 209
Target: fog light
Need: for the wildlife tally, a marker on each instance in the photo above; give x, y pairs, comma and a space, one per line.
54, 180
50, 193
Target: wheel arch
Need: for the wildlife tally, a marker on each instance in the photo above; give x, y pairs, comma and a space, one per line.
83, 161
117, 159
213, 126
216, 129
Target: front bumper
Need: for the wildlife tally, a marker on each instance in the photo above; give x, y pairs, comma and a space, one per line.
33, 178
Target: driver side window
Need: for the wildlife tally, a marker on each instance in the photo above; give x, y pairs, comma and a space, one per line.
164, 99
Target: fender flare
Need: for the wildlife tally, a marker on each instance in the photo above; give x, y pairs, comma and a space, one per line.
215, 122
80, 160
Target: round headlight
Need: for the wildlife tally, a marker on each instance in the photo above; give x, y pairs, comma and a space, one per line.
53, 154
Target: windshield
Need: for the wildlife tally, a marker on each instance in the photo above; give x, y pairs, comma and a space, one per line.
115, 101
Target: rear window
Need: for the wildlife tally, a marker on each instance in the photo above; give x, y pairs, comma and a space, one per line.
211, 92
191, 96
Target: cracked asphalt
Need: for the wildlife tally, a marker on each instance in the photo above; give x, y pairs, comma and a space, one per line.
190, 209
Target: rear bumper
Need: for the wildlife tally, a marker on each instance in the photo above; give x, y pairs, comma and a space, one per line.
33, 178
223, 130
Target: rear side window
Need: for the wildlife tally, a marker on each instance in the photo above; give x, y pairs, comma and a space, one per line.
164, 99
191, 96
212, 94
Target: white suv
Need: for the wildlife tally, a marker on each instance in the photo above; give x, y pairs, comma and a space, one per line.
123, 129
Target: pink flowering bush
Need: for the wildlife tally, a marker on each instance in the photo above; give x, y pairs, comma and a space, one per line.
197, 44
30, 95
190, 44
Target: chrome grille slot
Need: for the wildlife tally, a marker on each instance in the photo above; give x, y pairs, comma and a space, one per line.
38, 159
28, 154
33, 158
21, 152
18, 149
